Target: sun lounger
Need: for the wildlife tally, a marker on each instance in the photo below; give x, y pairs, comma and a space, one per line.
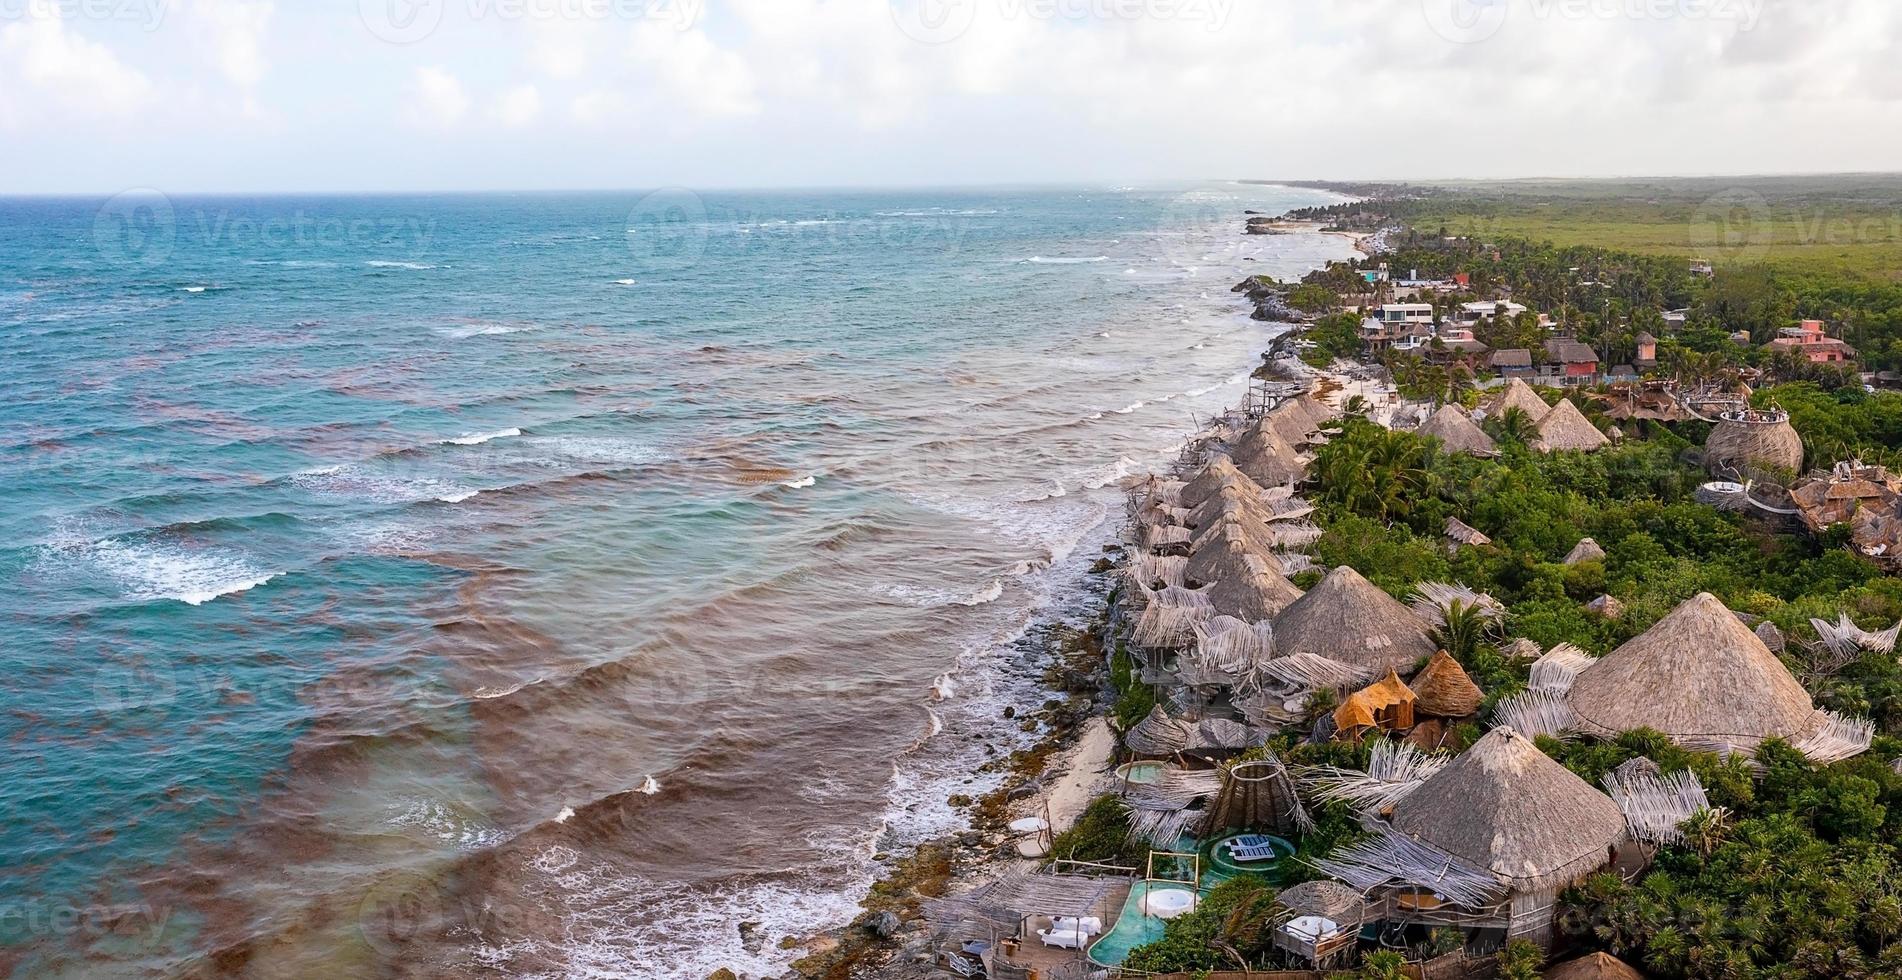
1063, 938
1248, 855
1089, 925
1248, 840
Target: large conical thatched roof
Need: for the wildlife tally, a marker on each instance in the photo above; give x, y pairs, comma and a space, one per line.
1258, 796
1349, 619
1504, 807
1259, 595
1699, 676
1267, 458
1289, 421
1313, 408
1565, 429
1752, 443
1519, 395
1158, 734
1598, 966
1230, 553
1453, 427
1220, 472
1230, 527
1445, 690
1231, 499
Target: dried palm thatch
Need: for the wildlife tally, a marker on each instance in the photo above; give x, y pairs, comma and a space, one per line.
1157, 734
1155, 489
1386, 704
1432, 600
1455, 430
1565, 429
1254, 596
1160, 813
1220, 472
1585, 550
1753, 442
1292, 424
1832, 738
1534, 713
1699, 676
1328, 899
1561, 666
1169, 618
1294, 563
1771, 636
1294, 535
1161, 538
1844, 637
1234, 646
1444, 690
1461, 533
1349, 619
1229, 555
1506, 808
1234, 527
1389, 858
1606, 606
1517, 394
1520, 649
1312, 672
1394, 770
1232, 500
1597, 966
1267, 458
1157, 571
1655, 804
1257, 795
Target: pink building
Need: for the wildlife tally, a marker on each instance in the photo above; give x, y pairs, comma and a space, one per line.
1810, 341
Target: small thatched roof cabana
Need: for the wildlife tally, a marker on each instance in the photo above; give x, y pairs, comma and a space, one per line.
1260, 594
1349, 619
1292, 424
1752, 442
1461, 533
1445, 690
1504, 807
1233, 500
1701, 677
1519, 395
1585, 550
1386, 704
1598, 966
1312, 904
1257, 795
1267, 458
1158, 735
1229, 553
1455, 429
1220, 472
1566, 429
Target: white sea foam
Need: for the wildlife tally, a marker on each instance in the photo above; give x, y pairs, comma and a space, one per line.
990, 593
478, 438
623, 282
1062, 260
449, 824
193, 289
156, 570
464, 331
650, 786
1126, 409
457, 496
566, 812
386, 264
601, 449
801, 483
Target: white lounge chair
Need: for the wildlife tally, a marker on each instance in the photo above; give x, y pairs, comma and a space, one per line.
1249, 855
1089, 925
1063, 938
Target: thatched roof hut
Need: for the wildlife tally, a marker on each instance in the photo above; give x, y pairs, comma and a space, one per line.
1260, 594
1328, 902
1292, 423
1259, 796
1220, 472
1598, 966
1585, 550
1349, 619
1267, 458
1228, 552
1445, 690
1566, 429
1461, 533
1753, 442
1502, 806
1158, 734
1386, 704
1517, 394
1455, 429
1233, 499
1700, 676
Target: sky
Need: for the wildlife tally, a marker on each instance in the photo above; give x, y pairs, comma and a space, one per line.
98, 96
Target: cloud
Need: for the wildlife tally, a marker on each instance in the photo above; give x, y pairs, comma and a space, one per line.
693, 74
435, 98
64, 69
519, 106
233, 32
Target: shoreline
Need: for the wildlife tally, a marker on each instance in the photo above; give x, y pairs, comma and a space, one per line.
1059, 776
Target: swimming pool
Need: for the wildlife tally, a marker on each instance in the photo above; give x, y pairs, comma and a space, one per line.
1134, 927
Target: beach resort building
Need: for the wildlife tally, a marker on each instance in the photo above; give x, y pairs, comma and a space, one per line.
1809, 340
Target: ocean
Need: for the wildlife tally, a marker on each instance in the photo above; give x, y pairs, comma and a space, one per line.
546, 584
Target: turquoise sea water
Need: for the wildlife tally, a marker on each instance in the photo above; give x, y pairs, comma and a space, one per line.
544, 584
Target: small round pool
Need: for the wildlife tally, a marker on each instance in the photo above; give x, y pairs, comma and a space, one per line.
1140, 772
1167, 903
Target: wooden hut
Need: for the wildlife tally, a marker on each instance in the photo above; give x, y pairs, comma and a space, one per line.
1320, 921
1231, 500
1444, 690
1348, 619
1293, 424
1158, 736
1585, 550
1386, 705
1461, 534
1703, 678
1230, 551
1456, 431
1566, 429
1220, 472
1753, 443
1257, 795
1489, 841
1597, 966
1253, 596
1267, 458
1517, 394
